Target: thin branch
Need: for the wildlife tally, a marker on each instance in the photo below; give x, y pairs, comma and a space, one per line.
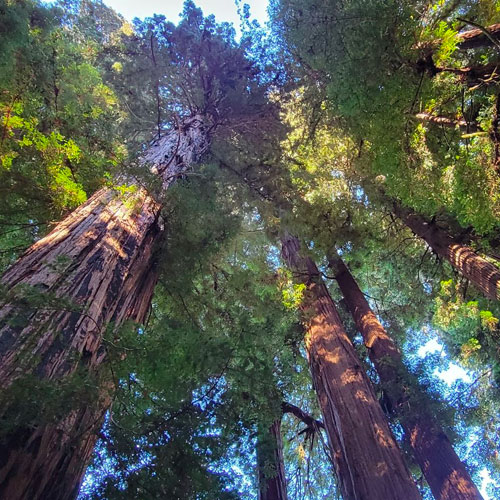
311, 422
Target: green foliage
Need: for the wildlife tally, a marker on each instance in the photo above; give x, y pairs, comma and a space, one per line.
380, 64
293, 295
59, 122
32, 401
201, 375
82, 91
473, 329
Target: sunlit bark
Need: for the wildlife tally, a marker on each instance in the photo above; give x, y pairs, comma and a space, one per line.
98, 266
485, 37
444, 121
368, 462
443, 470
482, 274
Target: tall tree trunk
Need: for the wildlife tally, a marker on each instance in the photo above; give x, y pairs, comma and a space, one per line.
443, 470
271, 468
484, 275
96, 268
367, 459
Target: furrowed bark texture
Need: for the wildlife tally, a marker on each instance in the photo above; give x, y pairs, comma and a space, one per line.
443, 470
483, 275
272, 480
368, 462
98, 265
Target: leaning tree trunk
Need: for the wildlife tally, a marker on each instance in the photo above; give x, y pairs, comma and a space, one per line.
484, 275
271, 467
444, 121
368, 462
484, 37
487, 36
445, 473
96, 268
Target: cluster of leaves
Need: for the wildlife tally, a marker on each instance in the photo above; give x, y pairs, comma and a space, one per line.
382, 67
212, 364
60, 122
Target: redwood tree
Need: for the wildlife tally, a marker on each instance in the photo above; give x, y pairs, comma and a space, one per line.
367, 459
446, 474
97, 268
483, 274
271, 468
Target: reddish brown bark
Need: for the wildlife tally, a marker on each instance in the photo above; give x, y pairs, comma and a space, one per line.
471, 39
474, 75
475, 38
482, 274
443, 470
367, 460
481, 74
271, 468
99, 266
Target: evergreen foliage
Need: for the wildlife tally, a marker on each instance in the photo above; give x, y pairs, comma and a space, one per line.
317, 128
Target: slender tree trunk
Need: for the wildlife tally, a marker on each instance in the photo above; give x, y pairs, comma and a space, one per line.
96, 268
484, 275
368, 462
271, 468
444, 121
443, 470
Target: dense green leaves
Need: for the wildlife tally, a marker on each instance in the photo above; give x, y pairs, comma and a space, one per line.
305, 136
59, 123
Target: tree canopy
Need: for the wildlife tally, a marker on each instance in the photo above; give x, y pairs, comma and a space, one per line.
336, 123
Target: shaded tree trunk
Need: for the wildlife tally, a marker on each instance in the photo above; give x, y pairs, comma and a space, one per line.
485, 74
271, 468
443, 470
475, 38
96, 268
367, 460
474, 75
482, 274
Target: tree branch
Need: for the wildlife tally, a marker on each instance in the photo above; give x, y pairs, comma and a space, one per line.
302, 415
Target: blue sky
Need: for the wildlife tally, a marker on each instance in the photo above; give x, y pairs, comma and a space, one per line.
224, 10
449, 373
